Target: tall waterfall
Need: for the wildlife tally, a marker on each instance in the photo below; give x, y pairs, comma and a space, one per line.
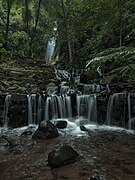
50, 49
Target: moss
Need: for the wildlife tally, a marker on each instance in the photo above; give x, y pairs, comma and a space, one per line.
21, 90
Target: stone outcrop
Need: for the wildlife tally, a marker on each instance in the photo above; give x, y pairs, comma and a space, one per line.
61, 156
46, 130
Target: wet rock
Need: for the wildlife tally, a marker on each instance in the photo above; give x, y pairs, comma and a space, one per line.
12, 89
7, 141
26, 133
34, 90
4, 141
61, 124
98, 177
61, 156
2, 98
46, 130
18, 116
83, 128
18, 97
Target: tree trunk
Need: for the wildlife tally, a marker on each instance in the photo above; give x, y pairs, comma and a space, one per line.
36, 23
9, 4
27, 15
38, 11
67, 34
120, 4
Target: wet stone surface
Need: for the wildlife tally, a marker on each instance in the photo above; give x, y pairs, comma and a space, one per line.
103, 155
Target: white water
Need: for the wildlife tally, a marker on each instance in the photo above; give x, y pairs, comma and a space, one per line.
92, 88
55, 107
32, 109
50, 49
86, 107
62, 74
72, 129
5, 112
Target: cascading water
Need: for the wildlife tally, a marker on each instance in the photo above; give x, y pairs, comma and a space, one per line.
116, 109
5, 112
50, 49
86, 107
32, 109
120, 108
57, 107
92, 88
39, 111
62, 74
64, 89
131, 120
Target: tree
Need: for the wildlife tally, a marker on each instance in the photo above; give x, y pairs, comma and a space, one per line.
9, 5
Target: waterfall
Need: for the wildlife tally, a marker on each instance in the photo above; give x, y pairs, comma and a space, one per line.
6, 107
92, 109
131, 120
92, 88
116, 109
32, 109
86, 107
39, 111
120, 108
50, 49
64, 89
57, 107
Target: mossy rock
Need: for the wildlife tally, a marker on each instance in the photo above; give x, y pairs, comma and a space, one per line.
21, 90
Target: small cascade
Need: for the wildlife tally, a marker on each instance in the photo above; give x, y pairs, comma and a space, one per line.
92, 112
58, 107
62, 74
92, 88
32, 109
39, 110
64, 89
116, 109
108, 88
6, 107
86, 107
131, 120
77, 79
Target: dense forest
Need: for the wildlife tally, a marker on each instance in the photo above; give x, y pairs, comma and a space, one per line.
83, 30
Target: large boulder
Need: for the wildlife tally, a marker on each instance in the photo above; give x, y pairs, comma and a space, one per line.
46, 130
61, 156
61, 124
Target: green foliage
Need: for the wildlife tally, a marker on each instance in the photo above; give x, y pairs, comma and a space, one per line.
19, 43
